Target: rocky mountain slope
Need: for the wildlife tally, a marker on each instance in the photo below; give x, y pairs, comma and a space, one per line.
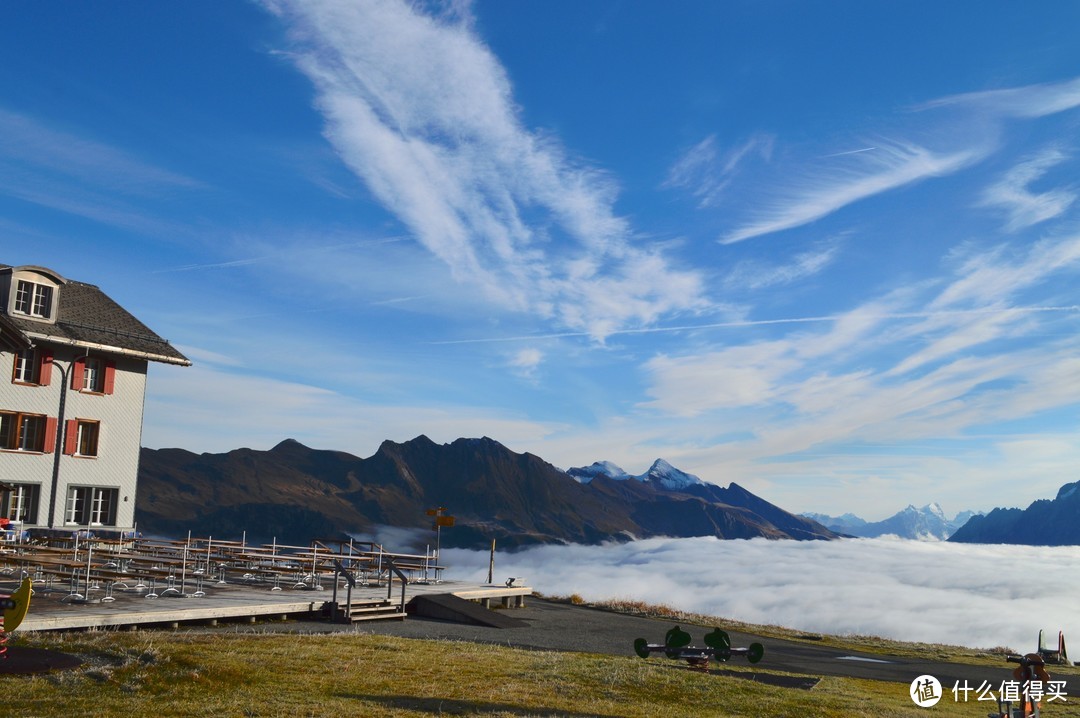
1044, 523
294, 493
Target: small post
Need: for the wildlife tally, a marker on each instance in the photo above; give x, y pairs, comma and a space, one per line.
491, 562
441, 519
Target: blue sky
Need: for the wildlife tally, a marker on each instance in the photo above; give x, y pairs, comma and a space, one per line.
828, 251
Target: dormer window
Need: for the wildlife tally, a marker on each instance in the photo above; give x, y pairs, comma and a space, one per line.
34, 300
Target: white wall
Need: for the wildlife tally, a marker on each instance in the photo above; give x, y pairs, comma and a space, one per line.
120, 416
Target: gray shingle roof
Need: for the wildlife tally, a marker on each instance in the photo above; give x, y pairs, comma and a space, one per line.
11, 336
88, 316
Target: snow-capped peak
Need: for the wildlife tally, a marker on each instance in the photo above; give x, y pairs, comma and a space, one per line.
669, 477
585, 474
661, 473
934, 509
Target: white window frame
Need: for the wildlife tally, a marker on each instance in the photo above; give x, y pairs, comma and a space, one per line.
22, 503
88, 436
27, 367
75, 499
22, 432
94, 375
34, 299
96, 504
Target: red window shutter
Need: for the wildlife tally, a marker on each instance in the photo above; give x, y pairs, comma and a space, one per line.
110, 376
78, 371
45, 370
50, 435
71, 436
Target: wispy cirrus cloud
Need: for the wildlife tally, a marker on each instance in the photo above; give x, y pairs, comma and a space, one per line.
706, 170
756, 274
423, 113
887, 167
1022, 206
32, 144
54, 168
946, 358
526, 362
733, 377
1030, 101
985, 277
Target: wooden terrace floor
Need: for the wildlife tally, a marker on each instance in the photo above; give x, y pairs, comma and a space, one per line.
89, 583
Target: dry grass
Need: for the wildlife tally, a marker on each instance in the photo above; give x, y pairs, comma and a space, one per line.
255, 674
354, 674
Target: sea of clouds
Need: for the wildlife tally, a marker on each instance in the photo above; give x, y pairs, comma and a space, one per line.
981, 596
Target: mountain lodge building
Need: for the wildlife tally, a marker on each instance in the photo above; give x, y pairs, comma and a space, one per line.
71, 404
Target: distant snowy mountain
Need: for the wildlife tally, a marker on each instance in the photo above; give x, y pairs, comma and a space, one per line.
962, 518
661, 473
585, 474
669, 477
846, 524
673, 501
926, 524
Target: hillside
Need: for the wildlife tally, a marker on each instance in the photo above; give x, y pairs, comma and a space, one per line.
1044, 523
294, 493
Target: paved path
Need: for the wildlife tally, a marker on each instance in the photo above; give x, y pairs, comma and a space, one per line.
564, 627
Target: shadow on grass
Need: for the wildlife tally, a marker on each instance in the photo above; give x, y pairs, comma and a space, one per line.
801, 682
804, 683
449, 706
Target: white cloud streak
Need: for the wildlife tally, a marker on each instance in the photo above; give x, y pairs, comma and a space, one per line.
956, 594
991, 277
90, 163
706, 171
893, 165
789, 415
421, 111
888, 168
1030, 102
755, 274
56, 169
863, 314
1022, 206
526, 362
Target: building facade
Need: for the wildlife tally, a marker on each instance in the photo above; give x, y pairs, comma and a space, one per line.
73, 367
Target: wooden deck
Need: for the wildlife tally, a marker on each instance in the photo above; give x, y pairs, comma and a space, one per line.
91, 584
131, 609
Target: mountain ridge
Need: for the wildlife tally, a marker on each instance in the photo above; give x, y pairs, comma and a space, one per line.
1045, 522
294, 493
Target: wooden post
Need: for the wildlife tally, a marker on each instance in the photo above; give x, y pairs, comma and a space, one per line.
491, 562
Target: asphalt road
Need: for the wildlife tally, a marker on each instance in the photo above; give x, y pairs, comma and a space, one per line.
563, 627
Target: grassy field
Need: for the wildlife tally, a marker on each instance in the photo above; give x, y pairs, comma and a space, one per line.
238, 673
